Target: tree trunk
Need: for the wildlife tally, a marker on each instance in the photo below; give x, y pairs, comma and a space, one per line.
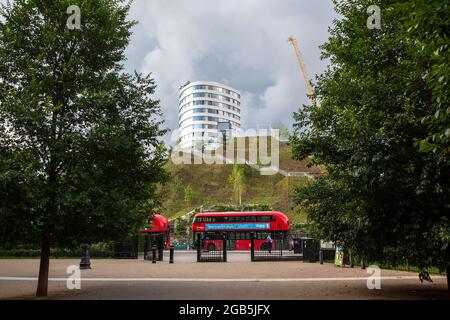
43, 267
447, 263
448, 276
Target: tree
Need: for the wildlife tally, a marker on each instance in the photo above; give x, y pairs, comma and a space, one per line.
237, 180
80, 154
382, 195
182, 228
431, 31
224, 141
284, 132
189, 195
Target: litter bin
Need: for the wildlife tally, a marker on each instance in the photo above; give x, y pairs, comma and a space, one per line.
310, 249
297, 245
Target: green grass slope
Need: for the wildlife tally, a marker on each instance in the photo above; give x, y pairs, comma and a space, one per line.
210, 185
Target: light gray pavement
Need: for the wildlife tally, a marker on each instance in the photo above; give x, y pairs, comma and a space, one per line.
236, 279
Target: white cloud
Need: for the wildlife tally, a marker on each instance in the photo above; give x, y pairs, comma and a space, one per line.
241, 43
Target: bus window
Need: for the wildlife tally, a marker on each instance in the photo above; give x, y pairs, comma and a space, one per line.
266, 218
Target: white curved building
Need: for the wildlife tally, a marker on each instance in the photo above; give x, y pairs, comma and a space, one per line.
207, 110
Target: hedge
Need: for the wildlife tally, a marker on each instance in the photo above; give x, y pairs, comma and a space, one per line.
56, 253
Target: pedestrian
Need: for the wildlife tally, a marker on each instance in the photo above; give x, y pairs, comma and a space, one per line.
291, 244
269, 243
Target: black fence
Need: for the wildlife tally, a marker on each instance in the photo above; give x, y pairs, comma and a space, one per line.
283, 246
327, 255
279, 246
211, 247
154, 245
267, 249
126, 248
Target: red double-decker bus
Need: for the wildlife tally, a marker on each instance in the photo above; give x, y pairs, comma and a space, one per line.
239, 226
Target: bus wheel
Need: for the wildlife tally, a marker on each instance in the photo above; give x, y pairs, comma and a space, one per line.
211, 247
264, 247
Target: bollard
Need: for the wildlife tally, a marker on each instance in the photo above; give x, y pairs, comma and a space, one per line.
321, 256
153, 254
363, 264
171, 254
252, 246
282, 246
145, 246
160, 247
224, 247
198, 248
85, 262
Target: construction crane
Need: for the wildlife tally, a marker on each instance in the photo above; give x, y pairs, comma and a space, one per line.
309, 88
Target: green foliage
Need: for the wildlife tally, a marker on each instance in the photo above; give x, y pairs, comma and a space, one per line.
236, 208
237, 180
210, 185
96, 250
430, 31
381, 195
189, 195
55, 253
284, 132
183, 229
80, 154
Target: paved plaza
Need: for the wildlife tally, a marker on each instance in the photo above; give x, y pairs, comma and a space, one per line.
236, 279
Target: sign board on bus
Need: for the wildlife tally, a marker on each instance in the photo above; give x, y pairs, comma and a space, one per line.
237, 226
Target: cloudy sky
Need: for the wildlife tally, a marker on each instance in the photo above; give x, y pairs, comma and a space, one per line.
242, 43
